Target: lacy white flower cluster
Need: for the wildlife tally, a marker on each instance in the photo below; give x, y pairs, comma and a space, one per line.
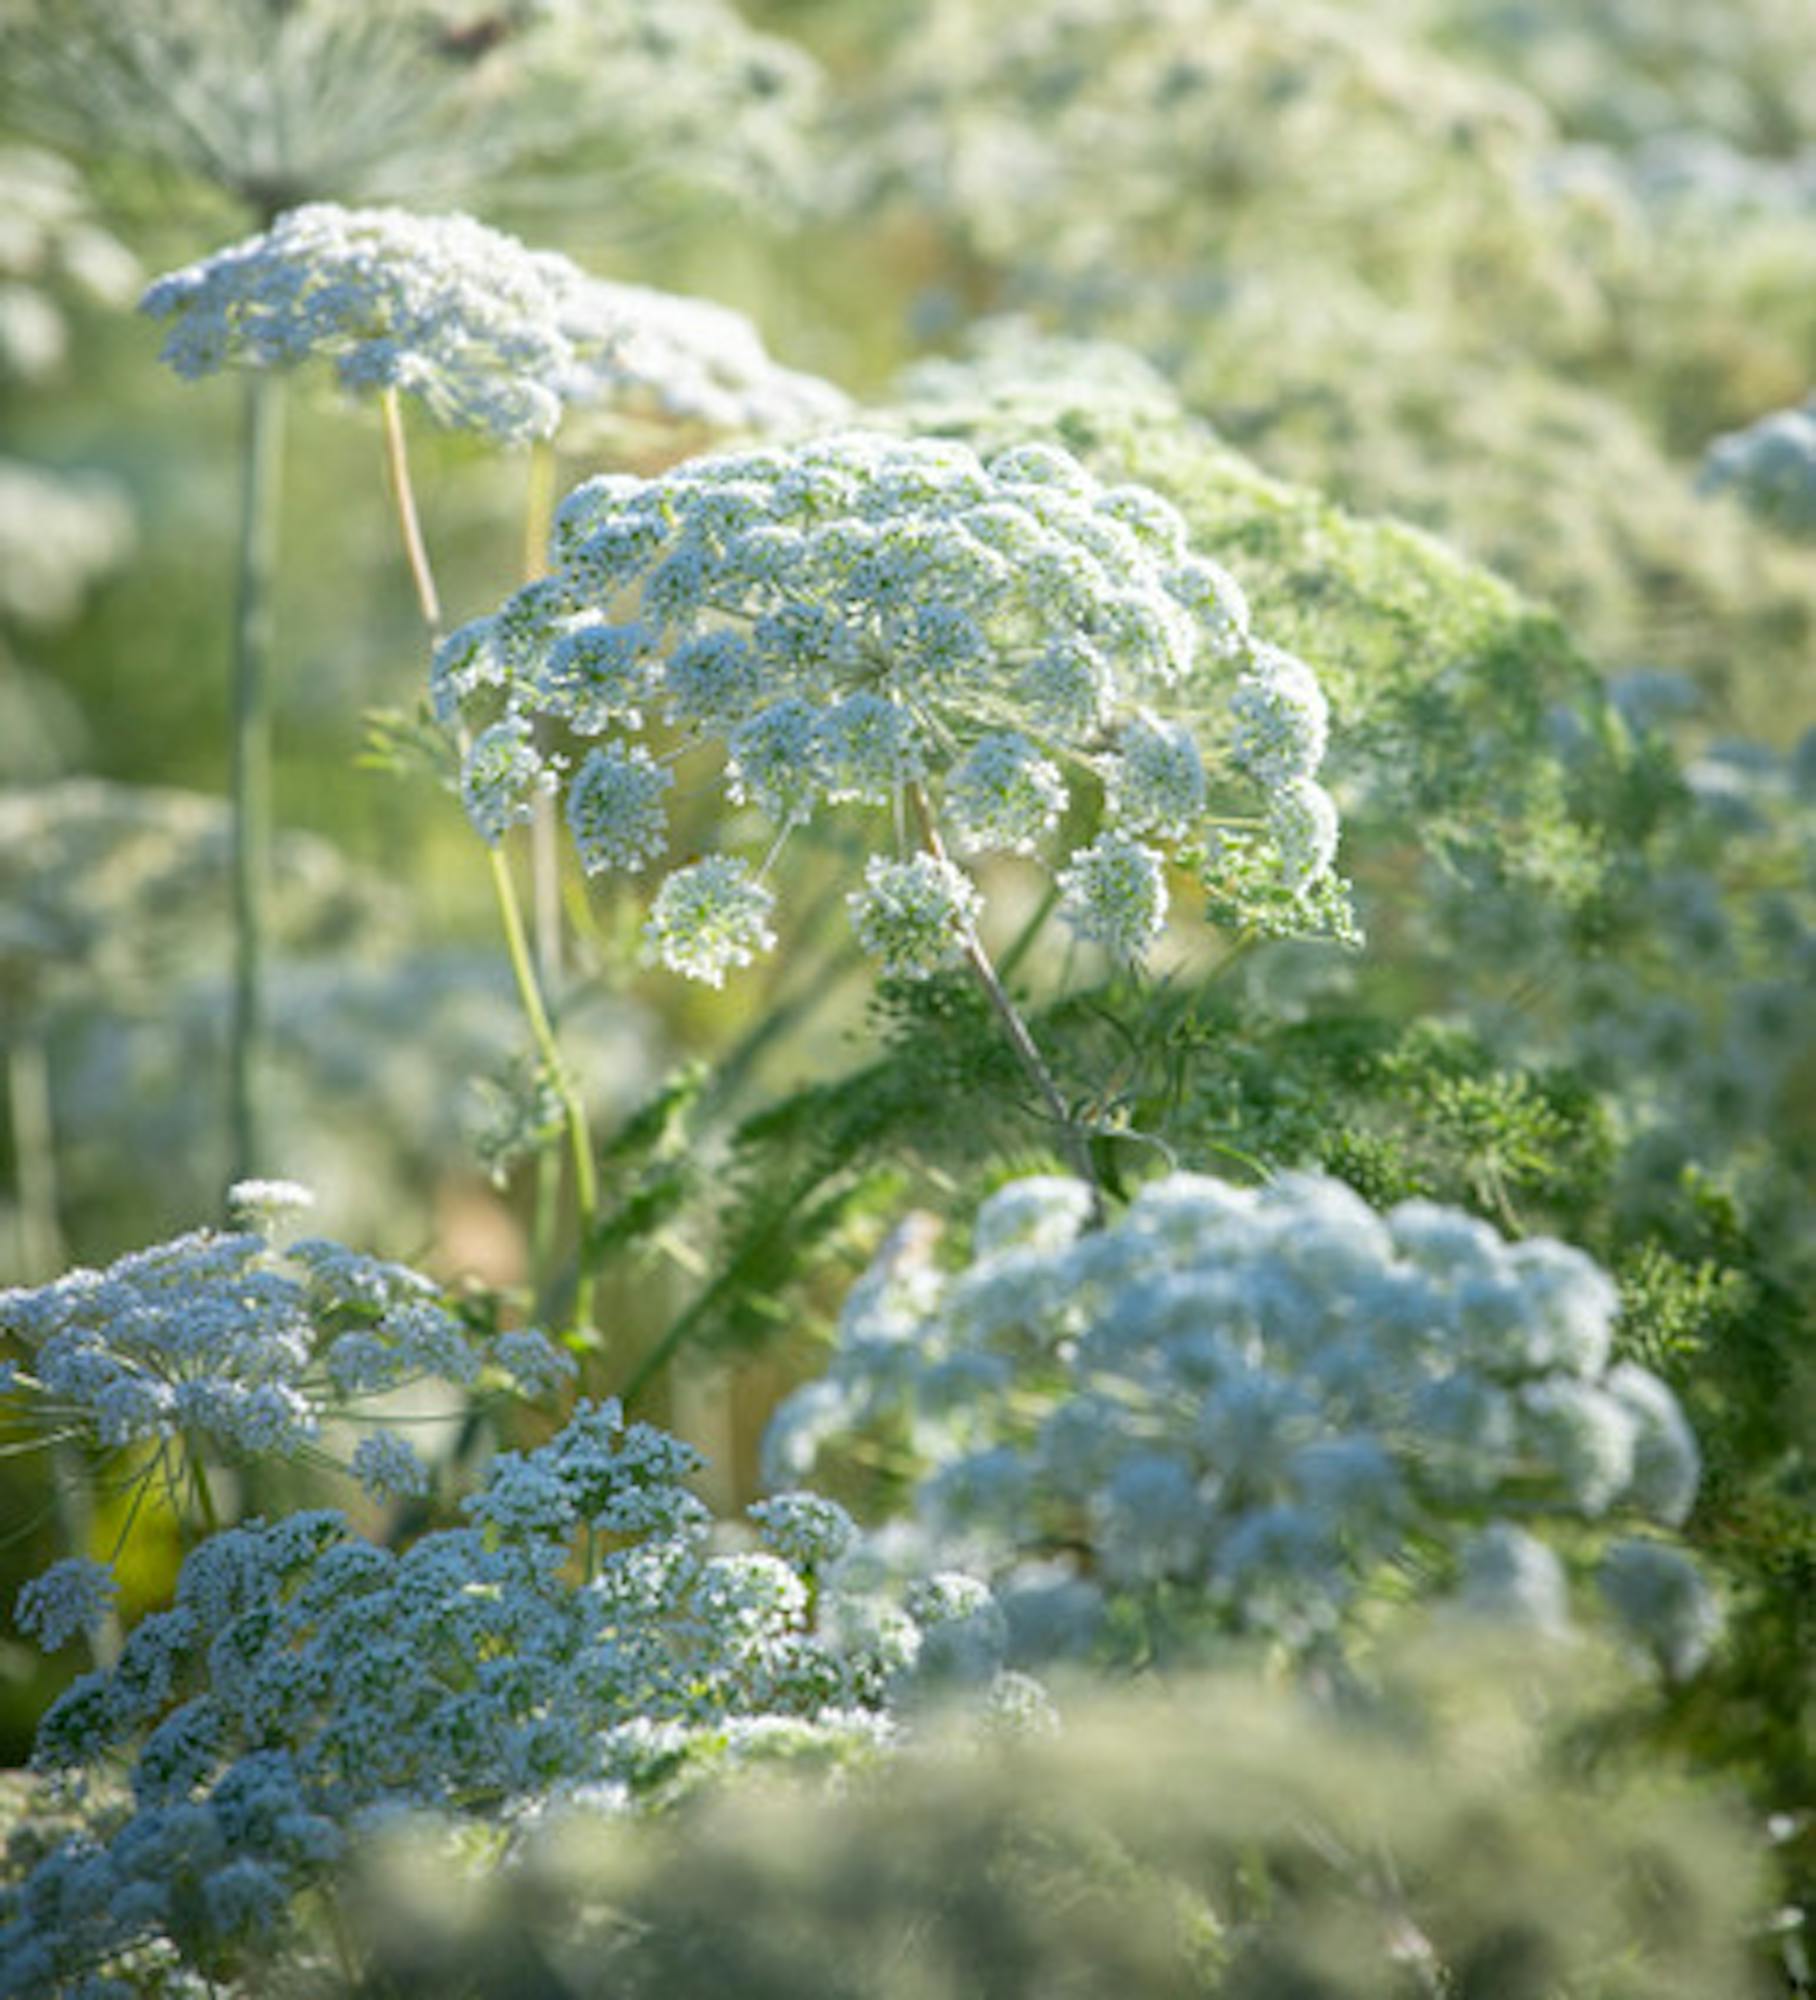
1265, 1397
224, 1343
438, 307
487, 334
862, 619
1771, 467
686, 360
306, 1683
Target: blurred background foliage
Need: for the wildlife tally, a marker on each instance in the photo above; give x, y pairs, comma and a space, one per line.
1423, 311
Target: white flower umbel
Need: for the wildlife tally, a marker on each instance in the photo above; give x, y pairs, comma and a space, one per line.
486, 333
1114, 893
1004, 795
1282, 718
438, 307
913, 916
899, 625
1662, 1603
70, 1598
227, 1346
895, 626
682, 360
709, 919
579, 1637
1264, 1399
614, 807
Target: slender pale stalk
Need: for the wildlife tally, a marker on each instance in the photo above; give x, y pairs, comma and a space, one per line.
517, 944
1072, 1139
545, 842
545, 846
403, 494
261, 477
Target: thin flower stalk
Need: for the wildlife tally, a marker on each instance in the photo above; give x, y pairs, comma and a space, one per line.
1027, 1050
517, 942
545, 850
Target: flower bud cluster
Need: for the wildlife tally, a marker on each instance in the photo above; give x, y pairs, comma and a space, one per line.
865, 619
306, 1682
1264, 1397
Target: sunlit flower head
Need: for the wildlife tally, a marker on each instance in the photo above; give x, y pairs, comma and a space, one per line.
965, 648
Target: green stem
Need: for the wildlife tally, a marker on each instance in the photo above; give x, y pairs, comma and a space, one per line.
680, 1330
1072, 1139
262, 458
580, 1142
543, 1215
198, 1478
523, 969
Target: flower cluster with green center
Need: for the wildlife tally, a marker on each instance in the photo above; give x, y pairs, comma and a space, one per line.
985, 655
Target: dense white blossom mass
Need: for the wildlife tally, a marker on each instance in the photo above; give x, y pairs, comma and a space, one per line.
306, 1682
868, 620
229, 1345
486, 333
687, 360
462, 317
1265, 1396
